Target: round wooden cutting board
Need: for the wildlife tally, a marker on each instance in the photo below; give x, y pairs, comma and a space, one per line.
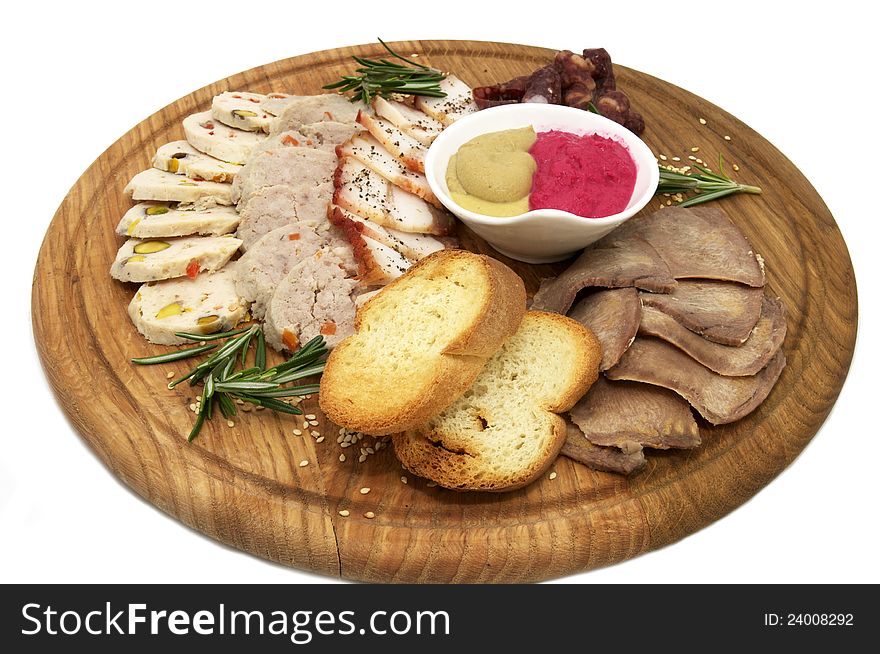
243, 485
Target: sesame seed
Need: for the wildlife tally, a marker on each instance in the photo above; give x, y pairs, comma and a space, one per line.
230, 423
663, 157
369, 515
170, 375
313, 423
553, 475
699, 161
735, 167
192, 407
259, 408
315, 433
365, 490
305, 425
404, 479
669, 203
676, 158
345, 445
297, 432
303, 463
309, 416
319, 439
342, 457
726, 137
702, 121
344, 513
692, 157
695, 149
362, 458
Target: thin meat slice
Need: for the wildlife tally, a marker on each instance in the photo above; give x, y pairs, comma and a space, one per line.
611, 263
613, 315
364, 192
411, 246
378, 261
415, 123
619, 412
458, 101
722, 312
366, 149
401, 145
606, 459
748, 359
718, 399
698, 242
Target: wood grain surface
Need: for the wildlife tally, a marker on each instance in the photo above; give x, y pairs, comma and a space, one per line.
243, 485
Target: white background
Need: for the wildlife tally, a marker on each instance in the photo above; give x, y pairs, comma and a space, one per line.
77, 76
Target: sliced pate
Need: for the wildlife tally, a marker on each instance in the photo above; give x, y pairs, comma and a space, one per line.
151, 260
204, 305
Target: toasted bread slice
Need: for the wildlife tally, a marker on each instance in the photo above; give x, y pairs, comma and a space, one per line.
504, 431
421, 341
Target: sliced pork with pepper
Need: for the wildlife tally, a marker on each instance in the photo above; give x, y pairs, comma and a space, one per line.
400, 144
364, 192
458, 102
416, 124
372, 154
409, 245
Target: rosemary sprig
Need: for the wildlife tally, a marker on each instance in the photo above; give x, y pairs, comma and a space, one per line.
385, 78
707, 185
256, 385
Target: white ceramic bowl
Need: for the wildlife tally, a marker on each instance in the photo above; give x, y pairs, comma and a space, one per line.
542, 235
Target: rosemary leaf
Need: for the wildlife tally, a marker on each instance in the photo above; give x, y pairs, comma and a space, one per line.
260, 355
227, 406
239, 386
173, 356
275, 405
292, 375
288, 392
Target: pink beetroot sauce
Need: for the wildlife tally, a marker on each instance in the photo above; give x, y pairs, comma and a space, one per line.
587, 175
